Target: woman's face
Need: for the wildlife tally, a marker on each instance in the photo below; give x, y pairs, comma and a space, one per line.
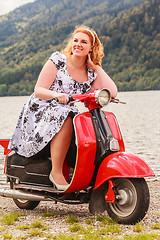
81, 44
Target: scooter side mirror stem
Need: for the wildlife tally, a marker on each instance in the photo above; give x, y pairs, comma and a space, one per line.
115, 100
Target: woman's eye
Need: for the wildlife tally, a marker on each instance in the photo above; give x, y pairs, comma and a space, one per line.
83, 41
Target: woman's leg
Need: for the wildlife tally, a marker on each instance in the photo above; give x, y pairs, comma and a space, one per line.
59, 147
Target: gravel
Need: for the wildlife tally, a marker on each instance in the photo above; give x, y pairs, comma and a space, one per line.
58, 224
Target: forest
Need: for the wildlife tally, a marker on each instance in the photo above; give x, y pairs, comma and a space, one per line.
128, 29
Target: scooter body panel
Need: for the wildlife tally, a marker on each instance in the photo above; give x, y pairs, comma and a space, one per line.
122, 165
4, 143
86, 151
29, 171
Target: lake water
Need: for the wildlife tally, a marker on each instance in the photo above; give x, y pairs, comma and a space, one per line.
139, 121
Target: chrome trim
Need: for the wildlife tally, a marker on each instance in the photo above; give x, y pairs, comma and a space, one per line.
15, 166
17, 194
98, 92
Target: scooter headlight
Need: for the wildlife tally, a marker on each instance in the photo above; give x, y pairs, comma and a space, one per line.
102, 97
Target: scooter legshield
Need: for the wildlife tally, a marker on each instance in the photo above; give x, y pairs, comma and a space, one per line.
86, 151
122, 165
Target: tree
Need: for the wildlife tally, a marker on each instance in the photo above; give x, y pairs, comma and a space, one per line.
3, 90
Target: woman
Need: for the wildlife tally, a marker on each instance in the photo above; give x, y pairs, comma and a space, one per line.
45, 121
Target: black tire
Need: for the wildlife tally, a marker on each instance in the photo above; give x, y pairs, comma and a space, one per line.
24, 204
132, 201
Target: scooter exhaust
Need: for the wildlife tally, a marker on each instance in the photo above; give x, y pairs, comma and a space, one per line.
16, 194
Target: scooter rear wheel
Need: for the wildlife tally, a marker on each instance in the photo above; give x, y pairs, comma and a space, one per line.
24, 204
132, 201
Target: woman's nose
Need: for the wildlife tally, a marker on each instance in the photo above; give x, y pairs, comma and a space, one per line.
79, 43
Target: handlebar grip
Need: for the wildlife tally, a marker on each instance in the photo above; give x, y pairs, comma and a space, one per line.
70, 99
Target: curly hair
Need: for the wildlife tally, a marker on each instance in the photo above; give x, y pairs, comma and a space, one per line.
97, 48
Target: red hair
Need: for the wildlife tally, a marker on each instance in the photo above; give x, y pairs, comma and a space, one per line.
97, 48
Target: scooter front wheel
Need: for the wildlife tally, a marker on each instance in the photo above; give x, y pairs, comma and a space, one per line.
132, 201
24, 204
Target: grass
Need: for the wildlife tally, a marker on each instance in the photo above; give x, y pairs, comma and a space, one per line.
72, 219
145, 236
48, 214
113, 228
75, 227
39, 224
34, 224
7, 236
21, 238
89, 221
36, 232
23, 227
138, 227
11, 218
66, 237
37, 229
2, 229
156, 226
93, 228
105, 220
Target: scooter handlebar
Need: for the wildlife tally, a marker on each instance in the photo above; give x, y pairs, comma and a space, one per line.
73, 99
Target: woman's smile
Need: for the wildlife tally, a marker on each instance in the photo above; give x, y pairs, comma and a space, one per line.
78, 49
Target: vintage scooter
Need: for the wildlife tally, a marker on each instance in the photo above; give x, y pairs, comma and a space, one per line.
97, 168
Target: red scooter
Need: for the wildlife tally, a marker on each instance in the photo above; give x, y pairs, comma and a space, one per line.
97, 167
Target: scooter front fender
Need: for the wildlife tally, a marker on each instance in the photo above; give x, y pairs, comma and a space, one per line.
122, 165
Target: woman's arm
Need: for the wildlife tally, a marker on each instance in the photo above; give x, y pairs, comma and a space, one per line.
102, 80
45, 80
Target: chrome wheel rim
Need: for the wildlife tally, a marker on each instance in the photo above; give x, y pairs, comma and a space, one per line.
126, 198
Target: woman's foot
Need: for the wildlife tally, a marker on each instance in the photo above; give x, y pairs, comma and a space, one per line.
62, 185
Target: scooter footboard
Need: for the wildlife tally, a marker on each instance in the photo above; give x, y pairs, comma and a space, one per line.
122, 165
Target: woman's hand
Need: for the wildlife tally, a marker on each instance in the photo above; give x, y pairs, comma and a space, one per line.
102, 80
62, 97
89, 63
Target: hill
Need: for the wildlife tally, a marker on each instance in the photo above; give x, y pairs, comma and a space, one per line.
129, 32
132, 48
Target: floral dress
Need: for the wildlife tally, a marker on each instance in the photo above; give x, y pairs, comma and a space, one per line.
40, 119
